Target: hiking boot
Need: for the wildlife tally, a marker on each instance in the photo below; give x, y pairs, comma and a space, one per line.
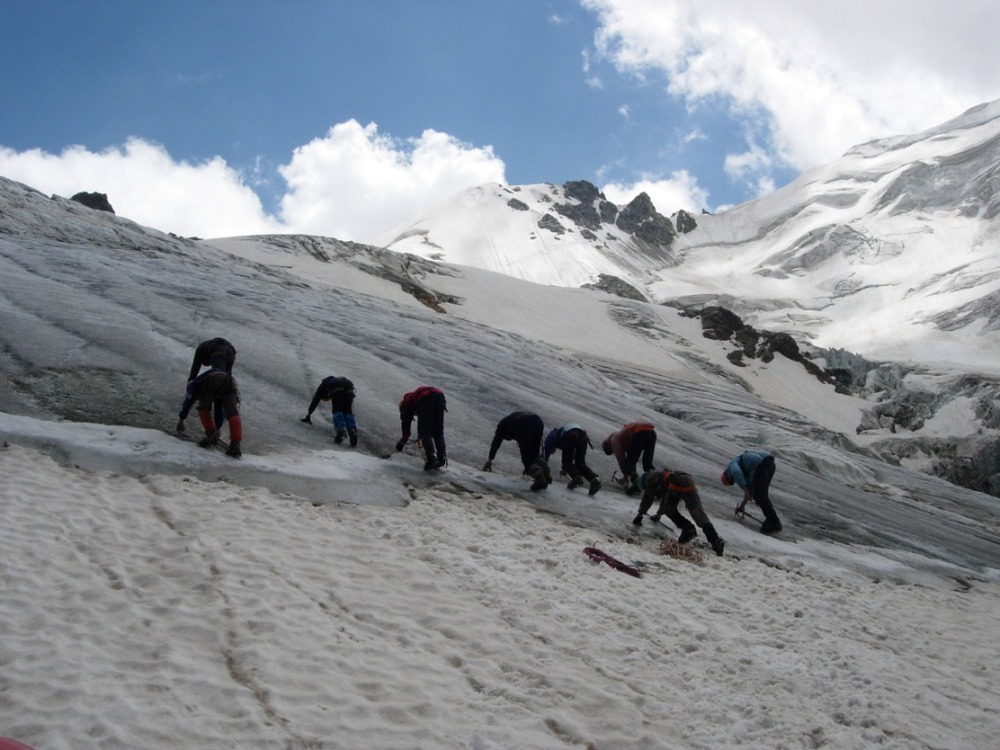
595, 485
341, 434
210, 439
234, 450
718, 545
441, 462
575, 482
770, 526
546, 474
353, 437
687, 535
631, 488
535, 472
655, 518
431, 463
637, 521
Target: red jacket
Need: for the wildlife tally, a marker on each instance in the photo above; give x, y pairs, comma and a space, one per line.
408, 406
617, 442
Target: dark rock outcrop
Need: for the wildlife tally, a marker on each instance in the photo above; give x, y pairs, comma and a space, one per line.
96, 201
685, 222
551, 223
614, 285
720, 324
583, 210
582, 191
581, 214
642, 219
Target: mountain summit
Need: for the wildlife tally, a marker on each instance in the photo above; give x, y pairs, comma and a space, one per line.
566, 235
905, 227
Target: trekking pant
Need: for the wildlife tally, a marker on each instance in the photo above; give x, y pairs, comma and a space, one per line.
529, 439
220, 388
574, 458
642, 444
344, 421
430, 425
759, 486
692, 501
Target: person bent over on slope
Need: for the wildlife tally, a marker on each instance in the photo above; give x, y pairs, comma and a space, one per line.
340, 393
628, 444
526, 430
220, 386
572, 440
428, 405
208, 352
669, 488
753, 470
216, 354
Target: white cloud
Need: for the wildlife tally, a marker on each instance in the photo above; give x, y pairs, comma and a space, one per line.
753, 160
680, 191
355, 184
695, 134
817, 77
593, 81
146, 185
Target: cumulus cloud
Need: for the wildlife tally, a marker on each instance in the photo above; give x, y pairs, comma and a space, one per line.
146, 185
356, 184
352, 184
679, 191
815, 78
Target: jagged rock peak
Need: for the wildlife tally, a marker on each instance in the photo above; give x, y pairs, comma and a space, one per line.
641, 218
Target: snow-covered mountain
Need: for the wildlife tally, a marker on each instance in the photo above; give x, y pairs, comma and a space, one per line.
904, 226
566, 235
884, 267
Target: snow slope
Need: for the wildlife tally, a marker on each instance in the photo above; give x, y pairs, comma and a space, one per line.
310, 595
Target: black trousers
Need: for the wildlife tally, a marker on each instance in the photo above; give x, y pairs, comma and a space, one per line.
430, 425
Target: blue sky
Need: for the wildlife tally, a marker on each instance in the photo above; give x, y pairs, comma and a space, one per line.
347, 117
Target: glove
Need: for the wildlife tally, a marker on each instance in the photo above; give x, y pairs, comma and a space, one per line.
740, 509
180, 425
488, 466
400, 445
307, 419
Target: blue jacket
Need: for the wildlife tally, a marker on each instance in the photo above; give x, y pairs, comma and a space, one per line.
742, 468
553, 441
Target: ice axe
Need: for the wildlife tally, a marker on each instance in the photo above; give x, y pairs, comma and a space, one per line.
741, 512
666, 526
